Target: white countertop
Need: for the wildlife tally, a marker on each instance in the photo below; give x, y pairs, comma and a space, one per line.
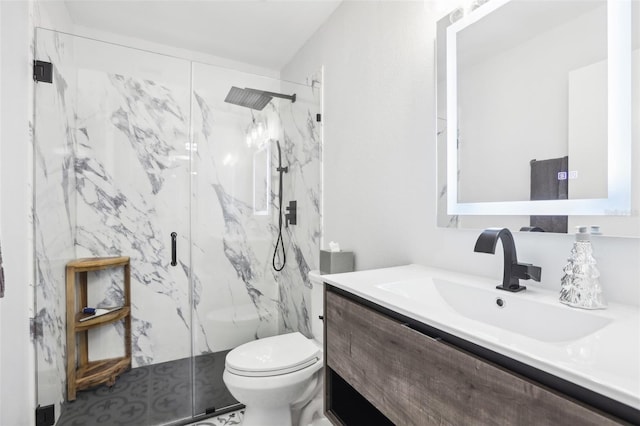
606, 361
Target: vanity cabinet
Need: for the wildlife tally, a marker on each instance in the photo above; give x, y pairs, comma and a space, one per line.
380, 371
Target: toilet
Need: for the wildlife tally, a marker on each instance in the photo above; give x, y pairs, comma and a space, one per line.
279, 378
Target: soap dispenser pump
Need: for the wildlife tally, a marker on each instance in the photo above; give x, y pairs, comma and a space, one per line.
580, 285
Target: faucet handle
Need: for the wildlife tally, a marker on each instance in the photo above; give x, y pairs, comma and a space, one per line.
527, 271
291, 217
534, 272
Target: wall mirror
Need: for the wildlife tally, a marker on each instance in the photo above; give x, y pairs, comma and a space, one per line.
537, 123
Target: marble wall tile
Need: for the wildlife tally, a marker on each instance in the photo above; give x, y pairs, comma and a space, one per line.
234, 246
302, 149
54, 211
132, 189
112, 178
238, 300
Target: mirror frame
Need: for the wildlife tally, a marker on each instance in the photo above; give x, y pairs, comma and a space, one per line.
619, 122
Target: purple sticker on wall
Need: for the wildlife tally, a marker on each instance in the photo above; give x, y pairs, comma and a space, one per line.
1, 275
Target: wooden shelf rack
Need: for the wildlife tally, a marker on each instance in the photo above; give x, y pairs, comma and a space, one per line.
82, 373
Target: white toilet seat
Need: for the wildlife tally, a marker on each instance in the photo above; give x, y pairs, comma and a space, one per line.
273, 356
291, 369
271, 383
278, 377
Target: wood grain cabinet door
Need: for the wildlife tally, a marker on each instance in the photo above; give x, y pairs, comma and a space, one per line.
416, 380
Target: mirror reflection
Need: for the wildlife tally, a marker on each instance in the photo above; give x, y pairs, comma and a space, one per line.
532, 98
521, 103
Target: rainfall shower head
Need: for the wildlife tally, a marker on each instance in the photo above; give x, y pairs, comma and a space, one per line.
252, 98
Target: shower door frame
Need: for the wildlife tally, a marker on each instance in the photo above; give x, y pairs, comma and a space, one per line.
56, 109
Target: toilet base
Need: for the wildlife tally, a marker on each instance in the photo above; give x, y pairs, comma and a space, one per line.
267, 416
312, 411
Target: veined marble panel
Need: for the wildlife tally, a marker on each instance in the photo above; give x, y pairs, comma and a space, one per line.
242, 296
132, 172
238, 301
302, 151
54, 212
112, 178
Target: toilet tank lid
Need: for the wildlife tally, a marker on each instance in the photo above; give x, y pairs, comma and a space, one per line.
272, 354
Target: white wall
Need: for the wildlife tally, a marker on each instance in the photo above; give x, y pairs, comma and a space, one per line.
587, 144
380, 153
172, 51
53, 15
506, 86
585, 141
17, 393
378, 61
1, 270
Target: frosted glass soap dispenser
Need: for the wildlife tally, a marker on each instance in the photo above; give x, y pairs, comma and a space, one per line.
580, 286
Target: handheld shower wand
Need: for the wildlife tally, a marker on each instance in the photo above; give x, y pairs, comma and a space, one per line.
279, 241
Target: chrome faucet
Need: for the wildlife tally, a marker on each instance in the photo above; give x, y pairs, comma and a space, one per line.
513, 271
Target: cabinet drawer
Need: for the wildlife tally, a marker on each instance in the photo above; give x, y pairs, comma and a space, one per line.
414, 379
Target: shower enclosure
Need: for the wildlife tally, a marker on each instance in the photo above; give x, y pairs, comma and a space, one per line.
131, 147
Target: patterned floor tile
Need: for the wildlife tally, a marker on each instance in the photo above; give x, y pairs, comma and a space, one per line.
153, 395
229, 419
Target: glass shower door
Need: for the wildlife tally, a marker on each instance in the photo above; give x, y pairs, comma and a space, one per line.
112, 167
238, 295
130, 148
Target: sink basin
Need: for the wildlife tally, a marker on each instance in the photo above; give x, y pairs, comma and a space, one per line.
525, 313
597, 350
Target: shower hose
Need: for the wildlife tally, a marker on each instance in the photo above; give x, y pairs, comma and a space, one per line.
279, 241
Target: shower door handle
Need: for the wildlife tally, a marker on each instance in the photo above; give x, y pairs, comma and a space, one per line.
173, 249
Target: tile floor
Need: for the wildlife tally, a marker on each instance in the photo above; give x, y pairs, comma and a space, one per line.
232, 418
153, 395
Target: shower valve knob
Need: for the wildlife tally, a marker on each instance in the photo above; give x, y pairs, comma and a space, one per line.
292, 213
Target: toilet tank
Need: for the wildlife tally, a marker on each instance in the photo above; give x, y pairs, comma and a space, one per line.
317, 305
